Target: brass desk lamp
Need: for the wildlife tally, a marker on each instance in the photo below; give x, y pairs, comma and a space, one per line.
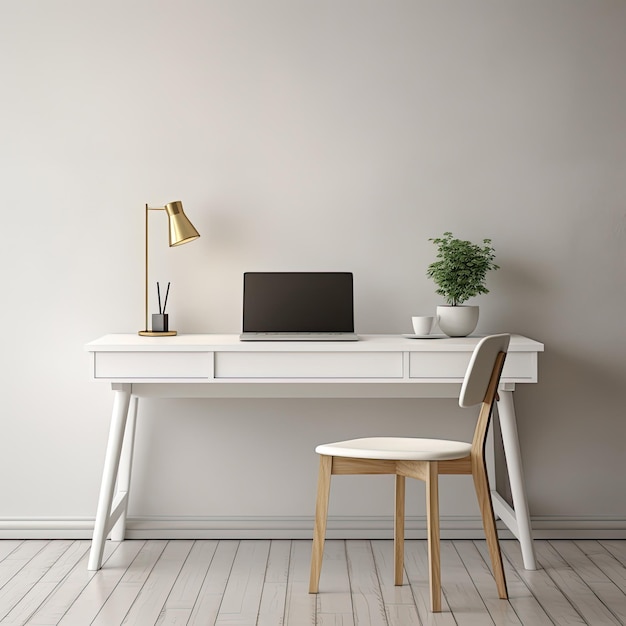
181, 230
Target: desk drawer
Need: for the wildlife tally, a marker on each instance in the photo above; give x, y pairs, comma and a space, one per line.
308, 365
519, 366
144, 365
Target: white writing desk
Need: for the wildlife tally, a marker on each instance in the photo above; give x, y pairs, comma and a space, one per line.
220, 366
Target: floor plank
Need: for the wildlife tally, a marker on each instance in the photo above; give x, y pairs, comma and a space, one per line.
605, 561
273, 598
41, 590
147, 607
209, 599
130, 585
7, 546
103, 582
416, 567
265, 583
617, 549
543, 588
367, 601
397, 599
184, 593
463, 598
69, 589
15, 562
15, 590
242, 596
602, 586
502, 612
300, 605
581, 597
521, 598
334, 602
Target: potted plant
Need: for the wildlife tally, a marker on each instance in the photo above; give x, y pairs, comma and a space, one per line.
460, 273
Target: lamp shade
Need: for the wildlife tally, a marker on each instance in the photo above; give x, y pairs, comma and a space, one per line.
181, 229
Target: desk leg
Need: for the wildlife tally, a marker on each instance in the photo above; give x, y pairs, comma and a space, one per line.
118, 531
103, 523
517, 520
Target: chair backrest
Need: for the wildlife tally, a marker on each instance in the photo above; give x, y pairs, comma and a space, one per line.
481, 367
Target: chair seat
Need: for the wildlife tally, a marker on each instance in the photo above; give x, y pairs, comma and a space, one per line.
397, 448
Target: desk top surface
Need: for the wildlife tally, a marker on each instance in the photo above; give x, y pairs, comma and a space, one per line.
230, 342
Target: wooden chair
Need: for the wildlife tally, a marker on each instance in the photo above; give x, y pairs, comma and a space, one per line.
424, 459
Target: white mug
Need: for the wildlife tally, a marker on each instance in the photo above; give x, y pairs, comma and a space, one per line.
422, 324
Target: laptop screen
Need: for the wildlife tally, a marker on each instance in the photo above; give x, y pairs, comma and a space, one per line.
293, 302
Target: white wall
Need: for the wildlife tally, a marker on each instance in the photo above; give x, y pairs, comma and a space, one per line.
307, 135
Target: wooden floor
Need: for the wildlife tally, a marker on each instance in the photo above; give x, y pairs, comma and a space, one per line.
263, 582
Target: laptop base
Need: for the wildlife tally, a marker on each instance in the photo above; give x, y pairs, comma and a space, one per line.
249, 336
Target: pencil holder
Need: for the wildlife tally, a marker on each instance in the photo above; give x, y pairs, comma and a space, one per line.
160, 323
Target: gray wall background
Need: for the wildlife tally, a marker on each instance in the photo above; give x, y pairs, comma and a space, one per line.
307, 135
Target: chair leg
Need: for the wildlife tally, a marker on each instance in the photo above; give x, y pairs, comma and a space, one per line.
481, 484
398, 531
321, 515
432, 513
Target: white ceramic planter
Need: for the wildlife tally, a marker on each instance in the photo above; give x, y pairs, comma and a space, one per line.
457, 321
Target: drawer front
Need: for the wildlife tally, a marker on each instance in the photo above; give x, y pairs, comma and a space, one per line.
519, 366
147, 365
308, 365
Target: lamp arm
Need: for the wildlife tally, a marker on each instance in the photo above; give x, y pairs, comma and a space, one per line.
146, 267
148, 208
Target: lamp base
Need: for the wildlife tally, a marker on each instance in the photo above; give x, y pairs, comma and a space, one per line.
157, 333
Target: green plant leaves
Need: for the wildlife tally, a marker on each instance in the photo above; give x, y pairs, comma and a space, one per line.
461, 270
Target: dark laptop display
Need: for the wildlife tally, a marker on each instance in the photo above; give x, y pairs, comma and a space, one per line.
297, 303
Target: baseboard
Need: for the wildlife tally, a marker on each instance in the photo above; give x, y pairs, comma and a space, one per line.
157, 527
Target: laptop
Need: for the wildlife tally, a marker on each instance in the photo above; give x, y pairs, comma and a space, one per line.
298, 306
